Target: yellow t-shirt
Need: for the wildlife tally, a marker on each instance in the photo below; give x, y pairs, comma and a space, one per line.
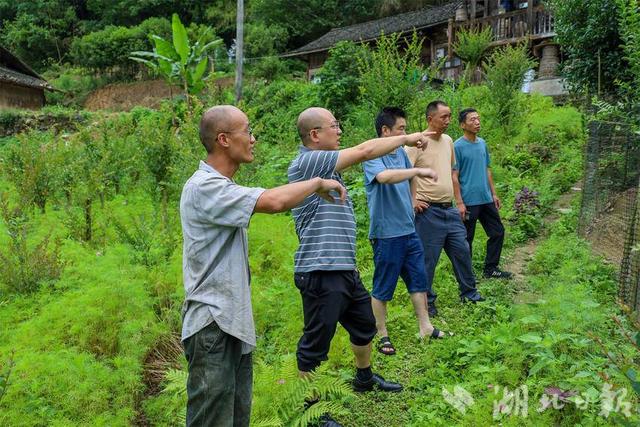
440, 157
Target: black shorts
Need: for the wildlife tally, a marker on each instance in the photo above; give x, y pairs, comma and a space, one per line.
329, 297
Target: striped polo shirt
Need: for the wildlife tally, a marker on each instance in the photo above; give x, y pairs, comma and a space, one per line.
326, 231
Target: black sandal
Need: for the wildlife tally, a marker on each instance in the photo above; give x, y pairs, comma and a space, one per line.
436, 334
385, 343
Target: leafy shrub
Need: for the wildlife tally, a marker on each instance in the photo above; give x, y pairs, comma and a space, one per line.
151, 245
505, 69
74, 85
471, 46
339, 77
109, 48
391, 75
527, 212
26, 165
273, 68
22, 268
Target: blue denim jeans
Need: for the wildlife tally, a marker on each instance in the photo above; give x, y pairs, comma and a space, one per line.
442, 228
220, 379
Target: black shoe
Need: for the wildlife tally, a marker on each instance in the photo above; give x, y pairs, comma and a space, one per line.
327, 421
376, 382
432, 309
477, 298
496, 273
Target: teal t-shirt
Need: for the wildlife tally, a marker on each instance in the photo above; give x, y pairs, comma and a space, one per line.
472, 161
390, 206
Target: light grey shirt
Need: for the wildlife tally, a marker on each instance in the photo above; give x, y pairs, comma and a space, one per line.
215, 213
326, 230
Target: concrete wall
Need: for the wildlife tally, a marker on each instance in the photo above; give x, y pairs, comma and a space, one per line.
13, 96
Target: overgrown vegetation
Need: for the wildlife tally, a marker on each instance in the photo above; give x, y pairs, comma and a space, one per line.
82, 341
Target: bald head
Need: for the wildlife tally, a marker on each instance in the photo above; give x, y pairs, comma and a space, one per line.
311, 118
216, 120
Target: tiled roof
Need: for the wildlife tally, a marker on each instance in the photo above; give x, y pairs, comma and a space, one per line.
371, 30
14, 71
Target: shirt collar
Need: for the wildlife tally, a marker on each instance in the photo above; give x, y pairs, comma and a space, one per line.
204, 166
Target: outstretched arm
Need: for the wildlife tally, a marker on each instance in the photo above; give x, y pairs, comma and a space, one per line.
285, 197
393, 176
377, 147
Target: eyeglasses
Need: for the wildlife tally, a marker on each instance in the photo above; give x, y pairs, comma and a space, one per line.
335, 126
248, 130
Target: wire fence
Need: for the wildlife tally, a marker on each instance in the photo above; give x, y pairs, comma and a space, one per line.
610, 213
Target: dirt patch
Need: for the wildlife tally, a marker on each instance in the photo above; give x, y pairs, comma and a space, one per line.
608, 231
125, 96
150, 93
517, 263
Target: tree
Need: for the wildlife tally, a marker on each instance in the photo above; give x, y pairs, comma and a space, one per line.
588, 32
180, 61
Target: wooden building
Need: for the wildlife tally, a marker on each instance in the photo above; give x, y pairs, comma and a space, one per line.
511, 21
20, 86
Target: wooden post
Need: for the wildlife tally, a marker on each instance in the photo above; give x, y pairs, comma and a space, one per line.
486, 7
473, 10
530, 16
239, 48
450, 39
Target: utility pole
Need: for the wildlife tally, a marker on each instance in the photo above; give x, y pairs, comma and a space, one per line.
239, 48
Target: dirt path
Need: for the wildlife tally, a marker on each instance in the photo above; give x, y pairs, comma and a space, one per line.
517, 262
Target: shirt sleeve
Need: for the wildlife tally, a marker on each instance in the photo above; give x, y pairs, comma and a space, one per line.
223, 202
371, 169
456, 156
318, 163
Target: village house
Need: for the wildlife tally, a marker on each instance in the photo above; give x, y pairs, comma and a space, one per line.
511, 21
20, 86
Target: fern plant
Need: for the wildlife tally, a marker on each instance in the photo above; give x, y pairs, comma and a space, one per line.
176, 386
289, 393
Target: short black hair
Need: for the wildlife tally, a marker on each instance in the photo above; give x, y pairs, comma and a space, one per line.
462, 117
433, 106
388, 117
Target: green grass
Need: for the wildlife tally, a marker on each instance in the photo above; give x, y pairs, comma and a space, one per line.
82, 344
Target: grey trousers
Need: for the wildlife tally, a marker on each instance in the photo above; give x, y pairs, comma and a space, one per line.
220, 379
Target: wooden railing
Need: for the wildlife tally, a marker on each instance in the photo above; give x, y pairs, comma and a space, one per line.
512, 26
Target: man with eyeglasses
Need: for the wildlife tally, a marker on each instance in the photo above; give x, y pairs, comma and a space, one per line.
325, 262
218, 332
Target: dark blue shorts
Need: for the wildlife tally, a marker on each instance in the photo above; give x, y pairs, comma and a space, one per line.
396, 257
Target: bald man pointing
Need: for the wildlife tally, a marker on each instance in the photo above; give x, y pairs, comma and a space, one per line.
325, 262
218, 333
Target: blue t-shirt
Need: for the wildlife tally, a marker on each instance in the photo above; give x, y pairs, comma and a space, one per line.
472, 161
390, 206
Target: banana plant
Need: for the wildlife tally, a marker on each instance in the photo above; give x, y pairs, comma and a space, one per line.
179, 61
